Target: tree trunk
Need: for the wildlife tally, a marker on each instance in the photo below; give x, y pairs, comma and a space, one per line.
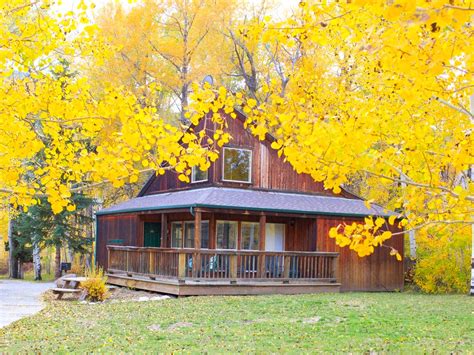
12, 260
36, 258
57, 260
411, 236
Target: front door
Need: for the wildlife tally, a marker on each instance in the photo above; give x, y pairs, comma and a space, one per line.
152, 234
274, 237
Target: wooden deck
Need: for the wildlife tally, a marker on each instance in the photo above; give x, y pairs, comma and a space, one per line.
192, 272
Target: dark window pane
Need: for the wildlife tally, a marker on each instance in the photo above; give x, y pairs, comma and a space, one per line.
176, 235
205, 235
237, 164
226, 235
250, 234
199, 175
189, 234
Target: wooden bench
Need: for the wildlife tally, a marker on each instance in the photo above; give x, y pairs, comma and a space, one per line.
61, 291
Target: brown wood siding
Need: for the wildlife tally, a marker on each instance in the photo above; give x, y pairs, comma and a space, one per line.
377, 272
269, 171
112, 227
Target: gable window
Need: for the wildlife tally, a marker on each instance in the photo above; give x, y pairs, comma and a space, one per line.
237, 165
199, 175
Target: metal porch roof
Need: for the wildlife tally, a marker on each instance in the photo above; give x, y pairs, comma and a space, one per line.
247, 199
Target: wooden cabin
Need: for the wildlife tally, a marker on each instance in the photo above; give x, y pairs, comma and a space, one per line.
248, 225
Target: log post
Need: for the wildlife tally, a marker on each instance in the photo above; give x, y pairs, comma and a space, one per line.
286, 270
151, 264
181, 266
128, 258
164, 231
197, 244
233, 267
261, 247
197, 230
212, 232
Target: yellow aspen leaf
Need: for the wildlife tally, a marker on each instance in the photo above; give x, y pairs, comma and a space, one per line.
71, 208
391, 219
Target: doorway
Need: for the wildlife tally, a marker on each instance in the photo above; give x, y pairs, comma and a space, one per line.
152, 234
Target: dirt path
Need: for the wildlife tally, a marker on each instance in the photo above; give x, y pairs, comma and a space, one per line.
19, 299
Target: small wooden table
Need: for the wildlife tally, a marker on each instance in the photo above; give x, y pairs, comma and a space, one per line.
71, 285
75, 282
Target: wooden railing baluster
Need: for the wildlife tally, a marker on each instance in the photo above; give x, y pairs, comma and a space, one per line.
223, 264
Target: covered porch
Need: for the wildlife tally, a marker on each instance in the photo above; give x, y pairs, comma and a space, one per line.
186, 272
222, 241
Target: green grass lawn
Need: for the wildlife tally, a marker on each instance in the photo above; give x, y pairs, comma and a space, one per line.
349, 322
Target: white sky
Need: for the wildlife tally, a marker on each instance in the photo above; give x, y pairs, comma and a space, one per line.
281, 6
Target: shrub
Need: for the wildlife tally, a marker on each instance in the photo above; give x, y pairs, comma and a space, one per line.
95, 286
443, 260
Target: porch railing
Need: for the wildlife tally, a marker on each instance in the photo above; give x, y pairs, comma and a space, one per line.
231, 265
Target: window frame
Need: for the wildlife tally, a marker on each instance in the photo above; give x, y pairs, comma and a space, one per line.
256, 224
236, 236
181, 240
250, 165
193, 169
183, 233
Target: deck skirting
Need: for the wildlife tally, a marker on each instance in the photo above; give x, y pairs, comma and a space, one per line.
221, 287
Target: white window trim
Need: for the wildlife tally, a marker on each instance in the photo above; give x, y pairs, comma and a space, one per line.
192, 176
237, 240
250, 165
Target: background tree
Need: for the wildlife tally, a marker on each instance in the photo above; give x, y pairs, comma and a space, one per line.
164, 43
39, 227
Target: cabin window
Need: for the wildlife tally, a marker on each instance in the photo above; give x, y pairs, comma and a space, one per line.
177, 235
237, 165
226, 234
250, 235
186, 239
189, 234
199, 175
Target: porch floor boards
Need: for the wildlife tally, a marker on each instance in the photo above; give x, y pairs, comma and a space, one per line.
220, 287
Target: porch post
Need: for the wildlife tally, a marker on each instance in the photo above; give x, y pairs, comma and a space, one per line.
197, 230
197, 244
261, 239
261, 247
212, 231
164, 231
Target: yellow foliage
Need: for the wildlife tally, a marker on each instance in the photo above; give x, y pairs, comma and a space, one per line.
96, 285
443, 260
373, 88
377, 89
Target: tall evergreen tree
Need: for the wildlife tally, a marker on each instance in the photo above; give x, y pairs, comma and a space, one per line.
39, 227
